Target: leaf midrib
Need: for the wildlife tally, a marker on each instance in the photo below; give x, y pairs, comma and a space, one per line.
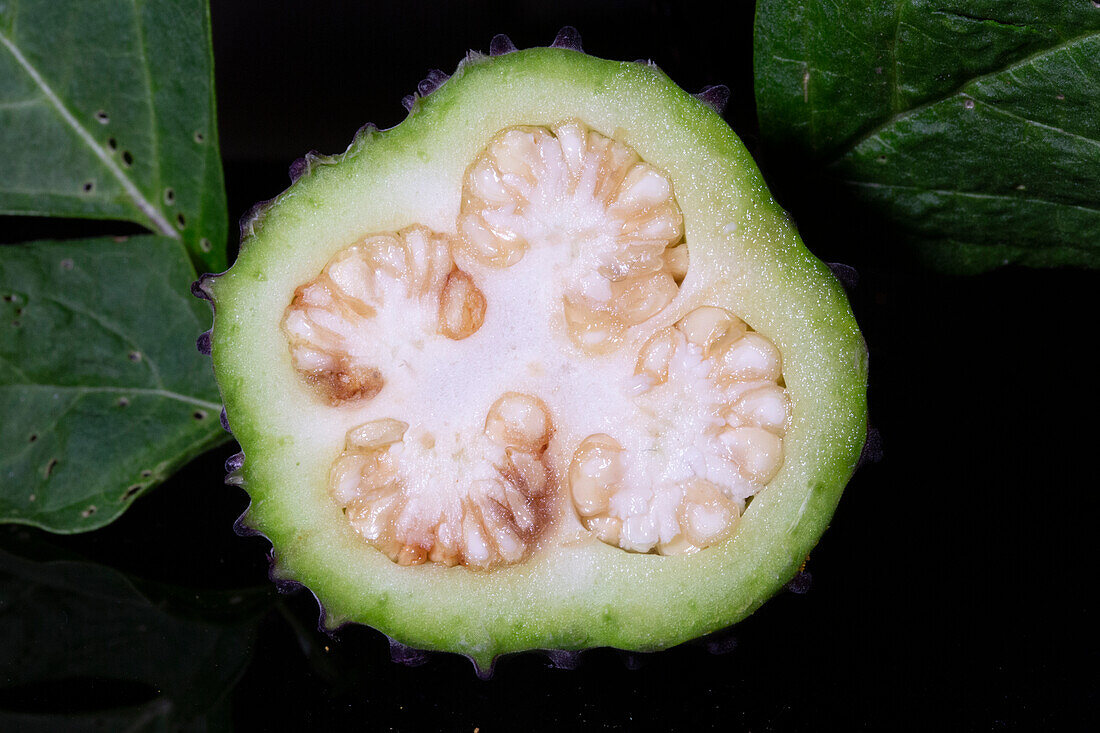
957, 91
84, 389
132, 191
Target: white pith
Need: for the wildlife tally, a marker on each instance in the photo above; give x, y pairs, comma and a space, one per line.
570, 240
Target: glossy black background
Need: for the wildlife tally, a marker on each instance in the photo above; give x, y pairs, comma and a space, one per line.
951, 589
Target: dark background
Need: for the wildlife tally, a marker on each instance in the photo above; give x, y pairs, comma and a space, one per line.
950, 590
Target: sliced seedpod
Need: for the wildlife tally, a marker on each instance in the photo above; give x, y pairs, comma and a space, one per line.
543, 367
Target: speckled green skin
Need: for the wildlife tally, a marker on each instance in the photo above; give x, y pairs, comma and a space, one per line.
744, 255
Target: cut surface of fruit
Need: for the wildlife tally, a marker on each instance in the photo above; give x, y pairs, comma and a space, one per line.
544, 366
602, 220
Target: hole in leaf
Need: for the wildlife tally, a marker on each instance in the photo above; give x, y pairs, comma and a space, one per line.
169, 196
50, 467
199, 414
205, 245
88, 512
88, 187
146, 473
881, 159
131, 491
200, 138
181, 221
102, 117
968, 103
34, 437
9, 298
123, 402
112, 143
135, 356
127, 158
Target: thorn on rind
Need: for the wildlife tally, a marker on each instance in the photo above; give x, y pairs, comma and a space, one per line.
872, 448
234, 462
286, 587
800, 584
568, 37
303, 165
224, 418
201, 287
716, 97
846, 274
434, 80
406, 655
500, 45
561, 658
253, 219
202, 343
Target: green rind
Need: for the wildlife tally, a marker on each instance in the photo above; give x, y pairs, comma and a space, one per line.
745, 255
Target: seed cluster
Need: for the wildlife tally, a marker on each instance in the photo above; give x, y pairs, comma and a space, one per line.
696, 429
614, 213
696, 475
488, 521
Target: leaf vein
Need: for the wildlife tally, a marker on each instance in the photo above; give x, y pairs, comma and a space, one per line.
135, 194
115, 329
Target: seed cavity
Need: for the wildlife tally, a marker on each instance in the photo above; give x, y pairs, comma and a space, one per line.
385, 290
495, 387
476, 499
607, 222
713, 413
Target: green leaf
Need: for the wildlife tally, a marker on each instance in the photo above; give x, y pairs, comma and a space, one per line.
101, 654
973, 125
107, 112
102, 395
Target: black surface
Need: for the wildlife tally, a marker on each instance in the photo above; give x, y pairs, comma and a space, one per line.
953, 588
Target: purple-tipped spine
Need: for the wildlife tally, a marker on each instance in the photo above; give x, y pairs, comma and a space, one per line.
846, 274
253, 219
568, 37
800, 584
302, 166
433, 81
716, 97
500, 45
